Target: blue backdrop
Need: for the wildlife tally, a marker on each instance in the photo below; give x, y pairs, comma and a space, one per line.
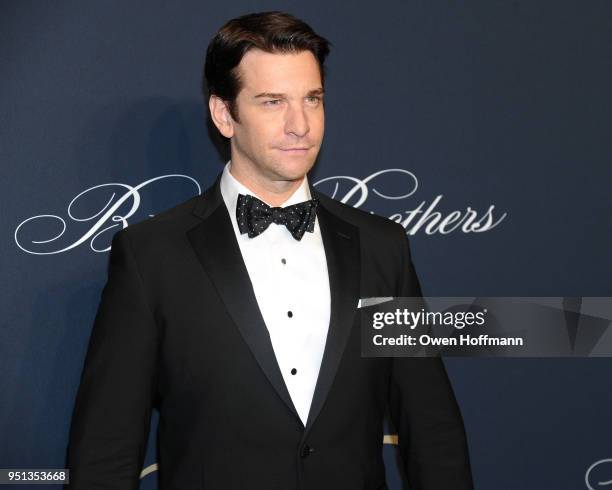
484, 127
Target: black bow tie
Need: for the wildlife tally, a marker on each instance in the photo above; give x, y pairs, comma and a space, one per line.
254, 216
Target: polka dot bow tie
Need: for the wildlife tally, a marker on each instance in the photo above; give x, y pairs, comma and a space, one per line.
254, 216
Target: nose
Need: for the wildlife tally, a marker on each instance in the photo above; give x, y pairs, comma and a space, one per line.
296, 122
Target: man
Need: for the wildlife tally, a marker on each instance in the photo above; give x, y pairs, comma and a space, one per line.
234, 313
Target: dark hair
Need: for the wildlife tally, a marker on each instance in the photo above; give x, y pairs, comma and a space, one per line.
273, 32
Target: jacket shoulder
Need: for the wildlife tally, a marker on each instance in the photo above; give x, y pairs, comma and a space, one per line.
167, 224
367, 222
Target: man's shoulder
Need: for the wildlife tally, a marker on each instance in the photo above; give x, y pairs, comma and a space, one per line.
166, 225
368, 223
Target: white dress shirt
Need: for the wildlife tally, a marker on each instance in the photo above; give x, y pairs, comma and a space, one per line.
291, 285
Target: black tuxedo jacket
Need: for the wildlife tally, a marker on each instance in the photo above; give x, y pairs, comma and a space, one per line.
178, 329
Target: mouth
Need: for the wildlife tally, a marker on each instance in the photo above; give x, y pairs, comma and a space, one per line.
296, 151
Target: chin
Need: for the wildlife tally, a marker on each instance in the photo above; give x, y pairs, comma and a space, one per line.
292, 169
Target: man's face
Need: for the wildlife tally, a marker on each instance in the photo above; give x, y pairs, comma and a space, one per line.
280, 108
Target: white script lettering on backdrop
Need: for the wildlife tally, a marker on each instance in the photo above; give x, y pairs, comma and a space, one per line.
98, 223
428, 219
107, 215
595, 473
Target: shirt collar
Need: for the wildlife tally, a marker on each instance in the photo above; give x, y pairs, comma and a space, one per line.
230, 188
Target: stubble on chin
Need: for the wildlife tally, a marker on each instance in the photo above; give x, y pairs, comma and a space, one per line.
288, 171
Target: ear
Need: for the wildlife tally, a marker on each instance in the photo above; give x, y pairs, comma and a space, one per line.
221, 116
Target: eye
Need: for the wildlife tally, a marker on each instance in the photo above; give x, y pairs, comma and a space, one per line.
313, 99
272, 102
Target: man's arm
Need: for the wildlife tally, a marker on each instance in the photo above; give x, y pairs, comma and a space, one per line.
112, 412
432, 439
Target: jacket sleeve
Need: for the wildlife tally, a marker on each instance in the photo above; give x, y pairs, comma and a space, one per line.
432, 440
112, 413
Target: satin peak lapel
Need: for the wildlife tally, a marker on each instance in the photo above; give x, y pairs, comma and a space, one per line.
342, 252
215, 244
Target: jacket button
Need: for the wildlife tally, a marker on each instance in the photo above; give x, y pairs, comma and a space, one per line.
307, 451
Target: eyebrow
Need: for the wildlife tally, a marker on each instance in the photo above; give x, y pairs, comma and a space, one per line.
271, 95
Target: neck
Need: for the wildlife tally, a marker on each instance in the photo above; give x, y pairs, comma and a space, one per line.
273, 192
